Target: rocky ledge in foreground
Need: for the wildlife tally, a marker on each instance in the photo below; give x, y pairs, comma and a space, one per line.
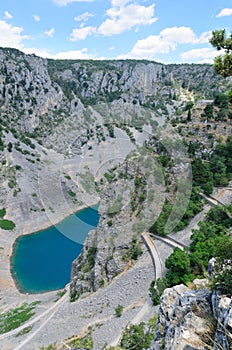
193, 319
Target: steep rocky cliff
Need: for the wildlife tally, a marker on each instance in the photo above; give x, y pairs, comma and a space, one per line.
193, 319
127, 208
38, 94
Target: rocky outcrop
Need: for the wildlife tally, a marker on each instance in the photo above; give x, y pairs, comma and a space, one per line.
222, 311
193, 319
127, 209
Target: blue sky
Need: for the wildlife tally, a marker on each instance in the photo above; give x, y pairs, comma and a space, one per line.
168, 31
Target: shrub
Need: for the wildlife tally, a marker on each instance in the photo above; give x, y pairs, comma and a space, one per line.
2, 212
7, 224
118, 310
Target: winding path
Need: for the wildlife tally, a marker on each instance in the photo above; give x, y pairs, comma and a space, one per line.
170, 241
154, 255
48, 313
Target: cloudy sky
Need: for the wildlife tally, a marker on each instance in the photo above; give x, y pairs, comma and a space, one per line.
168, 31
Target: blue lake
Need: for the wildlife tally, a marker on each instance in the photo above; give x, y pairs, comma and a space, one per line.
42, 261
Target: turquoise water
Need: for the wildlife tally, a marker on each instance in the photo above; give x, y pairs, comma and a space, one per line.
42, 261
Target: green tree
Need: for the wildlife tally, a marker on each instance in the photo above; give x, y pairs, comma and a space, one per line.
222, 41
9, 147
136, 337
204, 251
156, 289
208, 111
202, 175
222, 277
178, 265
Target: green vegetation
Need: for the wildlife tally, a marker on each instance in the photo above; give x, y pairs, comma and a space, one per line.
215, 171
5, 224
85, 342
178, 265
16, 317
212, 239
194, 206
110, 175
156, 290
137, 337
110, 128
2, 212
119, 310
60, 294
24, 331
87, 181
89, 264
222, 276
71, 193
49, 347
222, 41
134, 251
115, 207
12, 183
159, 227
220, 109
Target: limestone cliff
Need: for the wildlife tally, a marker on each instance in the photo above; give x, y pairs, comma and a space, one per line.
38, 93
193, 319
127, 208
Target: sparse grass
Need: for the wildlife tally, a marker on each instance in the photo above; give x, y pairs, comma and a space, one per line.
49, 347
24, 331
85, 342
16, 317
87, 182
60, 294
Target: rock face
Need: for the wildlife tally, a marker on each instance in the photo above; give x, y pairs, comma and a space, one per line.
193, 319
127, 209
39, 93
222, 311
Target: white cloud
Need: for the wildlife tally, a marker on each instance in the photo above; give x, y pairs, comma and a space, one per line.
166, 41
225, 12
119, 2
203, 55
120, 18
151, 45
126, 17
204, 37
81, 33
11, 36
83, 17
36, 18
163, 43
7, 15
66, 2
75, 54
38, 52
49, 32
180, 35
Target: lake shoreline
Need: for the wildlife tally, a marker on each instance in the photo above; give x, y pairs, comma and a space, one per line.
8, 284
42, 261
